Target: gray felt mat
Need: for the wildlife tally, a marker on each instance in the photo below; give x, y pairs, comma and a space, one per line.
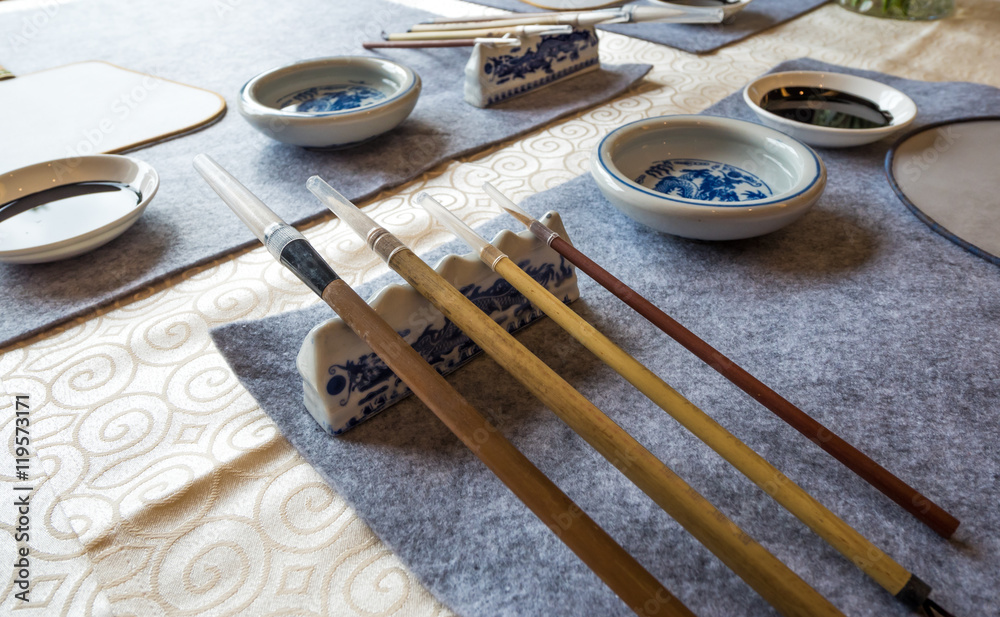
874, 325
219, 46
694, 38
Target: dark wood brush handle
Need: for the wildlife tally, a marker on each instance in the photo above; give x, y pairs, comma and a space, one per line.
907, 497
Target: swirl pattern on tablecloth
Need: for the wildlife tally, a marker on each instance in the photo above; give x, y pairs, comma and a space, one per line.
162, 487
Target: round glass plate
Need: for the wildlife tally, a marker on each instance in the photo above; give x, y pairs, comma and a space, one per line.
945, 173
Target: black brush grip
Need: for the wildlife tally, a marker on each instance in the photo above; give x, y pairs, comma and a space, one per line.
302, 259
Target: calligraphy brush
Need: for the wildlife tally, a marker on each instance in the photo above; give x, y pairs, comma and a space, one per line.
506, 40
628, 14
856, 548
517, 31
907, 497
774, 581
544, 15
605, 557
425, 43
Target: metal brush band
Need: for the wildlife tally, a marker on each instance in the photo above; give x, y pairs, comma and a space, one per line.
492, 256
278, 235
384, 243
542, 232
373, 235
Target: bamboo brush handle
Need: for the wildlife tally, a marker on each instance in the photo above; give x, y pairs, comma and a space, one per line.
752, 562
869, 558
907, 497
623, 574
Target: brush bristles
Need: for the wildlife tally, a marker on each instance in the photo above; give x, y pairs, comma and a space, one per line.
509, 206
360, 222
452, 222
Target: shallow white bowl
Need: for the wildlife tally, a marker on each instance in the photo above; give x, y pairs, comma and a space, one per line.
902, 107
703, 161
330, 102
74, 230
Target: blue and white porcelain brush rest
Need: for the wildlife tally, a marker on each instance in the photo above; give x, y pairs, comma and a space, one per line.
497, 70
344, 383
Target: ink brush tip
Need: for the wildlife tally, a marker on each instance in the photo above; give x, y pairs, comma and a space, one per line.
509, 206
452, 222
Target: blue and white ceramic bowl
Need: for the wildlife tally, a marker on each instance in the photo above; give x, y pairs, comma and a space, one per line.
706, 177
330, 102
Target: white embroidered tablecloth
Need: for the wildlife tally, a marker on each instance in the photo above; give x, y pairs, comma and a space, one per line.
160, 486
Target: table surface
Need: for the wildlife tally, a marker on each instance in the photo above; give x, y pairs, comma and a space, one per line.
161, 485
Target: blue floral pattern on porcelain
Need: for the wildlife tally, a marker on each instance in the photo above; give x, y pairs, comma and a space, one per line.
332, 98
344, 384
498, 71
521, 63
367, 384
704, 181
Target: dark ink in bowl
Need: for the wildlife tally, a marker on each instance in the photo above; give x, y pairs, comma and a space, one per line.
63, 212
825, 107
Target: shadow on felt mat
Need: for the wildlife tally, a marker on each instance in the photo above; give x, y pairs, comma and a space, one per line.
822, 242
415, 143
409, 425
544, 96
105, 269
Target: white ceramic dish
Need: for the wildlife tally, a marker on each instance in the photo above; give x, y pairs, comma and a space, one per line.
330, 102
945, 173
706, 177
888, 99
729, 7
70, 227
